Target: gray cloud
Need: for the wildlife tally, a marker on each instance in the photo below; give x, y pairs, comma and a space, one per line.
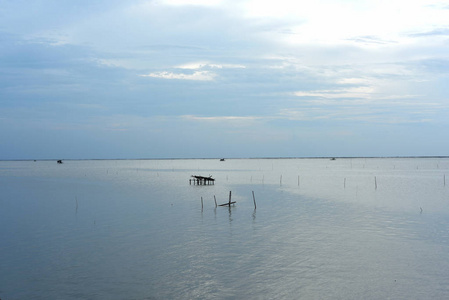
435, 32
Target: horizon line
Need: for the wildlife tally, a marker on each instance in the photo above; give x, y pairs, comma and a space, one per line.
213, 158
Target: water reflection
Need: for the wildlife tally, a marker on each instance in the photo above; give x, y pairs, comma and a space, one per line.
315, 240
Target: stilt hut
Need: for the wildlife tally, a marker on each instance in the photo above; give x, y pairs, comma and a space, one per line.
201, 180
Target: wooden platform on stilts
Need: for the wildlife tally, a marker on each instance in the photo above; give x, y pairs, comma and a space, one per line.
201, 180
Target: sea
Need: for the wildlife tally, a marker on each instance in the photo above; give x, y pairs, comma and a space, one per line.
300, 228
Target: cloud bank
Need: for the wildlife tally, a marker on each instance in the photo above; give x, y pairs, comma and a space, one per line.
162, 78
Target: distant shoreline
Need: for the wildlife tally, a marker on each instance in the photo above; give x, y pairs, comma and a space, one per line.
231, 158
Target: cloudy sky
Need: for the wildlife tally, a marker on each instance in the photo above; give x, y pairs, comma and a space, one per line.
223, 78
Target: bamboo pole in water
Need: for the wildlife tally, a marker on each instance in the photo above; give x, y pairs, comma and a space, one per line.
229, 203
254, 199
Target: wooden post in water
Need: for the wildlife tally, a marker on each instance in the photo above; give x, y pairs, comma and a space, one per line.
254, 200
229, 203
215, 199
201, 203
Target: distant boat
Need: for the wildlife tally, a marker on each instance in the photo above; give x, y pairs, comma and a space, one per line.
59, 161
222, 159
333, 158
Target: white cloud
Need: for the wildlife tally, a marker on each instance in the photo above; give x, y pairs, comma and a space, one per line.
352, 80
343, 22
356, 92
357, 113
201, 65
198, 75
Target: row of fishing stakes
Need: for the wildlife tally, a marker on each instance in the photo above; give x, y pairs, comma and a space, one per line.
229, 203
344, 181
280, 182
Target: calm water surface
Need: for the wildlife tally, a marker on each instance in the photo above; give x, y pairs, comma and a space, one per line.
343, 229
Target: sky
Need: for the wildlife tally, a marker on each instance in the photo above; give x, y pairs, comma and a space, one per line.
132, 79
